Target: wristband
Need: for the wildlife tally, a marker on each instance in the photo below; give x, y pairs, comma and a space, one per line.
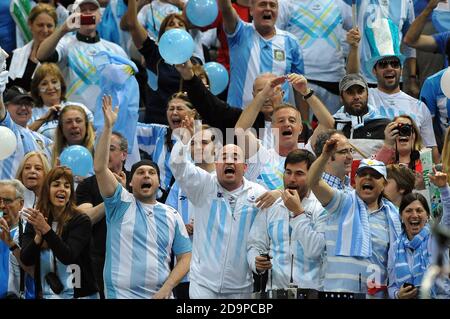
307, 96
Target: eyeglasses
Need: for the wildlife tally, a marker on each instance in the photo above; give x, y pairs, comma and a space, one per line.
383, 64
345, 151
7, 201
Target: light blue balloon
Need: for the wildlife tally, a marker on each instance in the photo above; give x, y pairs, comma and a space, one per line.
78, 159
176, 46
202, 12
218, 77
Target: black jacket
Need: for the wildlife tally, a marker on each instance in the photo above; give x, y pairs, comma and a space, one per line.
73, 247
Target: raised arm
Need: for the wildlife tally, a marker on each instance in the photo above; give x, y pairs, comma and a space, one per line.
107, 183
414, 37
353, 39
138, 32
48, 46
230, 17
250, 113
322, 190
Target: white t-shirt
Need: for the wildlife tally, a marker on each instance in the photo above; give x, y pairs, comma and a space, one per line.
391, 105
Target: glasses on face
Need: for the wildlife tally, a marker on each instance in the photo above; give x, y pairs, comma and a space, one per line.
345, 151
370, 172
383, 64
7, 201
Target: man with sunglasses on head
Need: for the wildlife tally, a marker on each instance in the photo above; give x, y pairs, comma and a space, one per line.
361, 226
389, 99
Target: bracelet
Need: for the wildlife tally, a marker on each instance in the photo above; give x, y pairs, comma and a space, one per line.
14, 247
413, 76
307, 96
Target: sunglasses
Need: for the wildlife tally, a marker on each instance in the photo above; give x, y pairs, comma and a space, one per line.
369, 171
383, 64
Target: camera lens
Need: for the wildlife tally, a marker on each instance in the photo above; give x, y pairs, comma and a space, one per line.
404, 130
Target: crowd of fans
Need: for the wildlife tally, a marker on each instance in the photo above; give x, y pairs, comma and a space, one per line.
324, 165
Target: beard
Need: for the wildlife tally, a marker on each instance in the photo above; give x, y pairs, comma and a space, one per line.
348, 108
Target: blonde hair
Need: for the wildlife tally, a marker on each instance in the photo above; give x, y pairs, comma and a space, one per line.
418, 144
41, 72
42, 157
446, 155
43, 8
60, 140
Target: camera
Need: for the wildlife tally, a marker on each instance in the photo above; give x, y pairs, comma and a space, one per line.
87, 20
404, 129
54, 282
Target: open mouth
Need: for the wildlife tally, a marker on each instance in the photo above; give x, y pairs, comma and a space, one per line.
293, 187
367, 186
229, 171
415, 223
61, 196
267, 16
287, 133
389, 77
403, 139
146, 186
176, 121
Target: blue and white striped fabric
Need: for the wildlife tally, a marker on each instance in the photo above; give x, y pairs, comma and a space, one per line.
151, 139
140, 239
336, 182
282, 237
76, 60
400, 12
420, 257
109, 27
219, 260
27, 141
438, 104
320, 27
251, 55
116, 78
177, 200
48, 128
10, 271
151, 16
354, 235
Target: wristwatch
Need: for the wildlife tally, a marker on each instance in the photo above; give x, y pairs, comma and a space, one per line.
14, 247
307, 96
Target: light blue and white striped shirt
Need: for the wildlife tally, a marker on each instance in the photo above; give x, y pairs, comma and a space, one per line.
219, 260
352, 274
320, 27
140, 238
302, 237
251, 55
27, 141
152, 140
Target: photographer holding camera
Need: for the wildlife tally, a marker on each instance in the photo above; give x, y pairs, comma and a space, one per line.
57, 241
402, 145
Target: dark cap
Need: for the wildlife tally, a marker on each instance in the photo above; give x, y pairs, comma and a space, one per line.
15, 95
143, 163
352, 79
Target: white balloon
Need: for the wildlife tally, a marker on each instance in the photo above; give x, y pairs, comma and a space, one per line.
8, 142
445, 83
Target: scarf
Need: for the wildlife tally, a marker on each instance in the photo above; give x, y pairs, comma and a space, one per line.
354, 236
421, 257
